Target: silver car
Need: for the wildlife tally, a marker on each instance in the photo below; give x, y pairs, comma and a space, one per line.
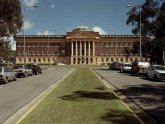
7, 74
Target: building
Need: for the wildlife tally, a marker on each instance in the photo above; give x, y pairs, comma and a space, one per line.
82, 45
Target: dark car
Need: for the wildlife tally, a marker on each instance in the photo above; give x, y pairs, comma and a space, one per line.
36, 69
114, 66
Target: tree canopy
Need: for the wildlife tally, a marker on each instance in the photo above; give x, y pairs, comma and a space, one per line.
151, 17
10, 18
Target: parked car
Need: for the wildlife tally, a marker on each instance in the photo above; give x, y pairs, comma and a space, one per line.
23, 70
114, 66
156, 72
7, 74
139, 67
35, 68
125, 67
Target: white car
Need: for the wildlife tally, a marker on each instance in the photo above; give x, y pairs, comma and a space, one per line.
156, 72
7, 74
125, 67
23, 70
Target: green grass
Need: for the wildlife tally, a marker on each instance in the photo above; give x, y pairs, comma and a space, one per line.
81, 99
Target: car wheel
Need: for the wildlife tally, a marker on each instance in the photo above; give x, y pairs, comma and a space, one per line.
15, 78
25, 74
155, 77
147, 77
6, 80
36, 72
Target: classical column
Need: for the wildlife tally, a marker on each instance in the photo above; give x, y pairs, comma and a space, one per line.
93, 48
85, 48
80, 48
72, 48
89, 49
76, 48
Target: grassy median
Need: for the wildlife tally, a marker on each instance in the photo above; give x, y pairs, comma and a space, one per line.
81, 99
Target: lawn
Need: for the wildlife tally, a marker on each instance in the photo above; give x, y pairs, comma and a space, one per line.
81, 99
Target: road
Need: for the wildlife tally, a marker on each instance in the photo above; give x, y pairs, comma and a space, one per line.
147, 94
16, 94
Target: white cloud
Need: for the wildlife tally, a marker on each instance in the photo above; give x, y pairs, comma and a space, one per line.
52, 6
28, 25
45, 33
99, 29
30, 2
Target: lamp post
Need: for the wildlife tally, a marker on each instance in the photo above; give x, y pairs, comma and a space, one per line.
24, 50
140, 31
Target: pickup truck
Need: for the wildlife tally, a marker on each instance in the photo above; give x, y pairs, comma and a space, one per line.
22, 70
156, 72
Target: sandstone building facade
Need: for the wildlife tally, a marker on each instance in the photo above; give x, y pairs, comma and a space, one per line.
82, 45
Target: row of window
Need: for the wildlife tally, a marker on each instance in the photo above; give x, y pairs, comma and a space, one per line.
37, 60
42, 45
116, 44
42, 52
106, 60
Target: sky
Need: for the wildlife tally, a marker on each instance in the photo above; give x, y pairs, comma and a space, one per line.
57, 17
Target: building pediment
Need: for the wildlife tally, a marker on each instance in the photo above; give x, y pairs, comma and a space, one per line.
83, 35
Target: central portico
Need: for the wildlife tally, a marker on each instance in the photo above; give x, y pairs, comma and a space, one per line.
83, 45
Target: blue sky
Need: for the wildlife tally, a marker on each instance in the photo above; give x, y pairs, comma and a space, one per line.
65, 15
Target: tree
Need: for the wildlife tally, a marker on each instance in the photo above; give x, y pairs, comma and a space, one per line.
5, 49
10, 18
152, 24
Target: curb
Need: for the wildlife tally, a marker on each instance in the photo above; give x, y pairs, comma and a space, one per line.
138, 112
25, 110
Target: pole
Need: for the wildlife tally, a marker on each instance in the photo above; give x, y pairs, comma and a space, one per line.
24, 50
140, 38
48, 52
116, 49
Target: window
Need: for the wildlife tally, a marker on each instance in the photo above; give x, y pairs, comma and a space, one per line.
29, 59
20, 60
107, 45
39, 60
102, 44
19, 52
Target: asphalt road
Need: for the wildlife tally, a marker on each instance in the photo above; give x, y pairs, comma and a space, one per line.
17, 94
149, 95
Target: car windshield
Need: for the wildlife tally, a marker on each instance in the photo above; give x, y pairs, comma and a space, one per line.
160, 68
17, 67
127, 65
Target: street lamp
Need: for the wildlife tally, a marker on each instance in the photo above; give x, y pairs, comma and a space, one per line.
140, 44
24, 51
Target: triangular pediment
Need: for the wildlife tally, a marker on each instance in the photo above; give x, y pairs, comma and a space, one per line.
82, 35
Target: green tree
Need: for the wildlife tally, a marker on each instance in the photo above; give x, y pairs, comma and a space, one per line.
152, 24
10, 24
10, 18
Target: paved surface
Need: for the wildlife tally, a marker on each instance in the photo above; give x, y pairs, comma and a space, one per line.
16, 94
146, 94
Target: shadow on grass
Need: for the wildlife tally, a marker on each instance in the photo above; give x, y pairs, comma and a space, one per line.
119, 117
80, 95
